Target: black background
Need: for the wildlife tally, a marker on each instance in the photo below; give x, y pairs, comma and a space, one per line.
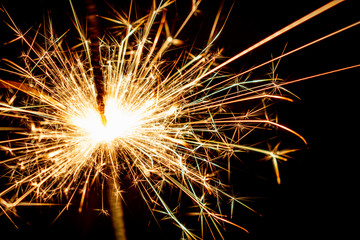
318, 192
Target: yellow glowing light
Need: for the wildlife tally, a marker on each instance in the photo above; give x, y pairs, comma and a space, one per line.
119, 123
167, 120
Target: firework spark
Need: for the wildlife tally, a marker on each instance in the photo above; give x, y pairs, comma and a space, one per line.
167, 120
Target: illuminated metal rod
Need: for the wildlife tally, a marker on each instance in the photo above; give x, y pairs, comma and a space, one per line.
94, 30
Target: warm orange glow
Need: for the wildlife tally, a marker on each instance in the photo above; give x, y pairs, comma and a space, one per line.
119, 123
166, 122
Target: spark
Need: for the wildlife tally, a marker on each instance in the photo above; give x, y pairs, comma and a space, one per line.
167, 120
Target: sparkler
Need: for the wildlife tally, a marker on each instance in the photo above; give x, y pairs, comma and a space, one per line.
163, 122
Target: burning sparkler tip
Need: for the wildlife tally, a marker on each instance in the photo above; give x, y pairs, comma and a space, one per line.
103, 119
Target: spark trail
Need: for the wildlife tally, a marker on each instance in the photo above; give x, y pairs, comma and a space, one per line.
168, 124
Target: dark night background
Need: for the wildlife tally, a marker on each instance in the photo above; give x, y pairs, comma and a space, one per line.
318, 190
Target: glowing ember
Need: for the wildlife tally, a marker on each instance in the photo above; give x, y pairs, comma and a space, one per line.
119, 123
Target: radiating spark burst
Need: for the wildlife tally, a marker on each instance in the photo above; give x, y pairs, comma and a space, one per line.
167, 123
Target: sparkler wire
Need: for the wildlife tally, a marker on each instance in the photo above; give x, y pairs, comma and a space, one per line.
94, 32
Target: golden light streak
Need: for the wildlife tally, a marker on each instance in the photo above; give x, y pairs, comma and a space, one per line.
277, 33
168, 120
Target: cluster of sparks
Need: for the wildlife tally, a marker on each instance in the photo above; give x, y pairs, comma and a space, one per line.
167, 123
